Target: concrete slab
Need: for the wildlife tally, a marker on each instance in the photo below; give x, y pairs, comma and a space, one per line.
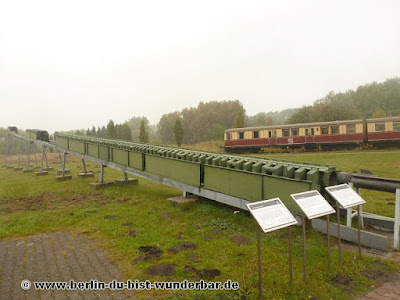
368, 239
36, 167
10, 167
42, 173
65, 177
17, 169
27, 170
87, 174
98, 185
66, 171
126, 181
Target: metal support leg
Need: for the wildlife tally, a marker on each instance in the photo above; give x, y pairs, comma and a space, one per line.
36, 162
102, 174
63, 164
349, 217
397, 221
84, 166
41, 164
125, 176
19, 154
47, 163
360, 211
5, 153
29, 157
11, 152
338, 233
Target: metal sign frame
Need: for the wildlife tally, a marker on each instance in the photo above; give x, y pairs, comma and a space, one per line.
261, 210
319, 202
345, 195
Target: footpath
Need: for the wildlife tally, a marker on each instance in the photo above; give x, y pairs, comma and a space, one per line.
58, 256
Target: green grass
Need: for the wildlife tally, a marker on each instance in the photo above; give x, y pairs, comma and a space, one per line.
30, 204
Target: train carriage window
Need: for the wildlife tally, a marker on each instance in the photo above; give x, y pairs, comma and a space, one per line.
274, 134
241, 135
312, 131
228, 136
295, 131
379, 126
396, 126
270, 134
334, 129
255, 134
325, 130
350, 128
306, 131
285, 132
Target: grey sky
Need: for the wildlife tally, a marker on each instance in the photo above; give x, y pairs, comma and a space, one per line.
73, 64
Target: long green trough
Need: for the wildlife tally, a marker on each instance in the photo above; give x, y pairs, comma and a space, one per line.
247, 178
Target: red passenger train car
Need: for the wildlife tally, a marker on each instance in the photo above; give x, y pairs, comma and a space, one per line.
381, 131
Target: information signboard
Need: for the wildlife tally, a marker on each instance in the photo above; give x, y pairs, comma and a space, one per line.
271, 214
312, 204
345, 195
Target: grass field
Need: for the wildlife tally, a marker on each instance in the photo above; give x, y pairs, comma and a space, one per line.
221, 238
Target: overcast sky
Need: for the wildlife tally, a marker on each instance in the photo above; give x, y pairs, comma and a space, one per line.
73, 64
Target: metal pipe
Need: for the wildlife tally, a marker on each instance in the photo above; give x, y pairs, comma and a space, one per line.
370, 182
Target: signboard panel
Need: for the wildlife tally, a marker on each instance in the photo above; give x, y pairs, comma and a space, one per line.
271, 214
345, 195
313, 204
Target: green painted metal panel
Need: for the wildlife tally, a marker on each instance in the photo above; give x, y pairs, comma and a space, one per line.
243, 185
62, 142
216, 179
120, 156
93, 150
282, 187
136, 160
103, 152
77, 146
182, 171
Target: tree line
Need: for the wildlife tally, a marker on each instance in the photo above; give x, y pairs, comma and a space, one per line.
209, 120
373, 100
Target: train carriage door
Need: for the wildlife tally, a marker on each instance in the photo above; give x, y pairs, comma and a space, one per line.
306, 132
312, 131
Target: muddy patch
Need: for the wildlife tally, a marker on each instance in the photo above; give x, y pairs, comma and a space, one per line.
183, 247
123, 200
166, 216
111, 217
148, 253
240, 239
203, 274
342, 280
179, 236
45, 201
213, 235
132, 233
161, 270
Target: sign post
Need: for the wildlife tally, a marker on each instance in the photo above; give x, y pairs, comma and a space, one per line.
347, 198
313, 205
271, 215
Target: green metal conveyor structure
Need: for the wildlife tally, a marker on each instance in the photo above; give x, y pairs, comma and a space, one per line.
233, 180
